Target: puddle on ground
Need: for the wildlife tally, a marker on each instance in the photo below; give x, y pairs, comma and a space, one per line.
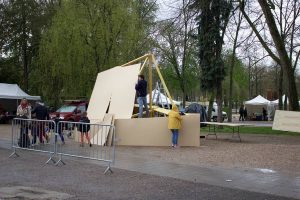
266, 171
31, 193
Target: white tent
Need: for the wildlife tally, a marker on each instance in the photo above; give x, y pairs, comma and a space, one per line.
255, 106
276, 102
13, 91
259, 100
160, 98
10, 94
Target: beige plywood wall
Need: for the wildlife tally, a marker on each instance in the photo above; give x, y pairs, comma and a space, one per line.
123, 91
100, 97
287, 121
114, 87
154, 131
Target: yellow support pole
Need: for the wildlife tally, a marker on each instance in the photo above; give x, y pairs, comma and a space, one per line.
136, 60
162, 79
150, 84
144, 64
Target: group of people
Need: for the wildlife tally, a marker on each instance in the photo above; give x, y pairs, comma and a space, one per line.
174, 118
40, 111
39, 128
243, 114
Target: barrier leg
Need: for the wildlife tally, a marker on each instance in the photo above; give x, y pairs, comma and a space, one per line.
108, 169
14, 154
51, 159
60, 161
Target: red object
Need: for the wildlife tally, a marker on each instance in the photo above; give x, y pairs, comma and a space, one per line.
71, 110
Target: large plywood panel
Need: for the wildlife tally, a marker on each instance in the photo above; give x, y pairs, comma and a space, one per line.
99, 133
100, 97
154, 131
286, 121
123, 91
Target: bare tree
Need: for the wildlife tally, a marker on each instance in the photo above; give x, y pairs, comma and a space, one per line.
279, 52
176, 42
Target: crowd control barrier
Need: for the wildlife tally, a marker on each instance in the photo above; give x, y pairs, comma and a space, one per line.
34, 135
65, 139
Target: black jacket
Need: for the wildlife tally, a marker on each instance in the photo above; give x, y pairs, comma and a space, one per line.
41, 112
84, 128
141, 88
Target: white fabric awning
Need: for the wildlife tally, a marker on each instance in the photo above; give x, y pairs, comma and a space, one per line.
259, 100
277, 101
159, 98
13, 91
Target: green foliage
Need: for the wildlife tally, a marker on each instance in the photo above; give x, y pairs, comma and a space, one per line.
22, 24
9, 72
191, 78
240, 78
252, 130
87, 37
212, 22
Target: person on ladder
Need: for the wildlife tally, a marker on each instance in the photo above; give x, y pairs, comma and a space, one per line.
141, 89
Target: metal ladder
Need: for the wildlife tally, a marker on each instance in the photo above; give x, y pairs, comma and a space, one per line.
159, 97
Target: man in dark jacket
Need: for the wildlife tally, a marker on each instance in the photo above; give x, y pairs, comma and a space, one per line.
141, 89
41, 113
241, 111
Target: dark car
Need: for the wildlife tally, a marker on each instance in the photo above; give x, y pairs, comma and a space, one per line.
197, 108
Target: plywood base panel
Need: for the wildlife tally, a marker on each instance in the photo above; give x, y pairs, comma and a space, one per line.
286, 121
154, 131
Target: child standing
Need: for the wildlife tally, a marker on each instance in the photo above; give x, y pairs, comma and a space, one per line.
84, 129
174, 124
59, 128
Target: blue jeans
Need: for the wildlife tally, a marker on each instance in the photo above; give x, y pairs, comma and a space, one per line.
175, 133
142, 101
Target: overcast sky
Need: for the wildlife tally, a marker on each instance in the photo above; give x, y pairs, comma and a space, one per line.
168, 8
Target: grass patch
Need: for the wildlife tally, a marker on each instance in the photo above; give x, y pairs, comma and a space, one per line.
250, 130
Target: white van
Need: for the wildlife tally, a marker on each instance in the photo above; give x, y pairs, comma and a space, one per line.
214, 113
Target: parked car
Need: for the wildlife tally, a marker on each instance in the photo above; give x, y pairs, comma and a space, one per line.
71, 110
214, 114
197, 108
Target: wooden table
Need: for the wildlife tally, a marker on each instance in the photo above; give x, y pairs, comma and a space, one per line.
234, 126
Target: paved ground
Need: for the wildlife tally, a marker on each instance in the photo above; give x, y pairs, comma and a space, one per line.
266, 164
83, 180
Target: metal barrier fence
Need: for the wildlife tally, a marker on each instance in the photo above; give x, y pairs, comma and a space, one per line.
65, 138
86, 140
34, 135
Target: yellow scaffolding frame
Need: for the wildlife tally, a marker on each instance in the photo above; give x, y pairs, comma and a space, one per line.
150, 61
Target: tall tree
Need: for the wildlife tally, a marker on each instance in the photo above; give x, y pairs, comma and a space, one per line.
212, 22
24, 23
87, 37
237, 21
178, 47
281, 55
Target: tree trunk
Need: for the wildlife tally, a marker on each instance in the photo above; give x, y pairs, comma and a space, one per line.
24, 50
184, 98
283, 55
280, 86
210, 106
219, 101
231, 85
249, 78
232, 67
256, 82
